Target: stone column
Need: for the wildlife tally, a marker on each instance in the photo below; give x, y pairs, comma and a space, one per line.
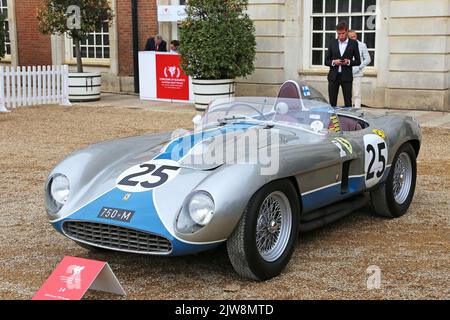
419, 45
269, 19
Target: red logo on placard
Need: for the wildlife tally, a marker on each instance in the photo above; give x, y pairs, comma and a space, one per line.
171, 82
172, 72
74, 276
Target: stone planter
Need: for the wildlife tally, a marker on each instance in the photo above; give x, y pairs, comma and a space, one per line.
206, 91
84, 87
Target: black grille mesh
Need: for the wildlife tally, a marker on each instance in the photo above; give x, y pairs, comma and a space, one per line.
114, 237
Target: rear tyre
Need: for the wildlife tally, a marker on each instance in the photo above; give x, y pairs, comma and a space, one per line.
263, 242
393, 198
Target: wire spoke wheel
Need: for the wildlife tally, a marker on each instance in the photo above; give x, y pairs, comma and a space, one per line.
402, 178
262, 243
273, 227
393, 198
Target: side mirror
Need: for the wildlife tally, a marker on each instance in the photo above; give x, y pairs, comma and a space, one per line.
197, 120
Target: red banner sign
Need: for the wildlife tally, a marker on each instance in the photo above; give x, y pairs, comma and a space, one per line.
171, 82
74, 276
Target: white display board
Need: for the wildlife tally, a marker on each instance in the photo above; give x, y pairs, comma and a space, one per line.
150, 81
171, 13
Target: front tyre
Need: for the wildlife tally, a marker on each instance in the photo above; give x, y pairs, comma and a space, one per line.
263, 242
393, 198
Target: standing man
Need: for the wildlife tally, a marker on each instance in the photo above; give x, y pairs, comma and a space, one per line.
342, 55
156, 44
358, 70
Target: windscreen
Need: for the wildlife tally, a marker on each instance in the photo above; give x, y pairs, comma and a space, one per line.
312, 115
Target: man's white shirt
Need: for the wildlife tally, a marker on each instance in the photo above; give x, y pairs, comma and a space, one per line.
342, 47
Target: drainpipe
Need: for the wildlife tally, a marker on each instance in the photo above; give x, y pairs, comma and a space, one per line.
134, 19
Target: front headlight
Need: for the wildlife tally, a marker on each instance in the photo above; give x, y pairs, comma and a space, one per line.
57, 193
201, 208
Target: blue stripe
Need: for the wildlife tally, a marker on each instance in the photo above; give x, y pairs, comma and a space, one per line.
145, 218
180, 147
331, 194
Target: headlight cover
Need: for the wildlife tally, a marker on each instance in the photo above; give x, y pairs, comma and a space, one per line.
57, 193
201, 208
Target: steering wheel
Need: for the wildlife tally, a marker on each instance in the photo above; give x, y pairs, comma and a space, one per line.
245, 105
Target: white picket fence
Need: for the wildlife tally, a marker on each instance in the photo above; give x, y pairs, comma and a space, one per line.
37, 85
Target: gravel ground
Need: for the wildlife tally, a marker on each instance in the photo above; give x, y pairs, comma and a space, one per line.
412, 252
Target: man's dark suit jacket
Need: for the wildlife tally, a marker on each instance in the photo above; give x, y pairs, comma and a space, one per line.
150, 45
351, 53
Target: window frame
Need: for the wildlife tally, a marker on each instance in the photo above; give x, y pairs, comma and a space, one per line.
71, 59
308, 33
7, 57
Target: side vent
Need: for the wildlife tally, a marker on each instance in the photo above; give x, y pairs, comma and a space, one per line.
345, 172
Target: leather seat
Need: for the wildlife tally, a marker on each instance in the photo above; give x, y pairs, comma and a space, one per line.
289, 90
349, 124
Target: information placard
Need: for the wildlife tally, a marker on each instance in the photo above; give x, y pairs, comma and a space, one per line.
74, 276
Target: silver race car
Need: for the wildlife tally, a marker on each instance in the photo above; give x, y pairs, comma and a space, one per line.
253, 173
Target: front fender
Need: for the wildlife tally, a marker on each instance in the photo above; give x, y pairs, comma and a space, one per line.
231, 187
399, 129
92, 171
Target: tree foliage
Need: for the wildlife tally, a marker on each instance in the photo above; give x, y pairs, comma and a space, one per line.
217, 39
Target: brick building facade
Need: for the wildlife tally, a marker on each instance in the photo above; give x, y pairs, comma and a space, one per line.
110, 51
33, 48
409, 42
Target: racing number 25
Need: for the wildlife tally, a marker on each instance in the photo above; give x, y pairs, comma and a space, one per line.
371, 150
154, 171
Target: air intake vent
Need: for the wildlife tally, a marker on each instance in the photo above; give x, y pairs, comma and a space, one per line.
117, 238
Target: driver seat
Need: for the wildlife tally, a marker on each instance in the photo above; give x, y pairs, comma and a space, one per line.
289, 93
349, 124
289, 90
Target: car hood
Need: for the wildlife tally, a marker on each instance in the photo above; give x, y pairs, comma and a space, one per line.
93, 171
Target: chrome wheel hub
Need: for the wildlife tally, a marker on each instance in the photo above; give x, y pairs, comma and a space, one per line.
402, 179
273, 227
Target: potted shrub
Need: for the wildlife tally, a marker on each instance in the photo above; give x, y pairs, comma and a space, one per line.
217, 45
76, 19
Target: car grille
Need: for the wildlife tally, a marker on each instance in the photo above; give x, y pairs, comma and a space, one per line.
118, 238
